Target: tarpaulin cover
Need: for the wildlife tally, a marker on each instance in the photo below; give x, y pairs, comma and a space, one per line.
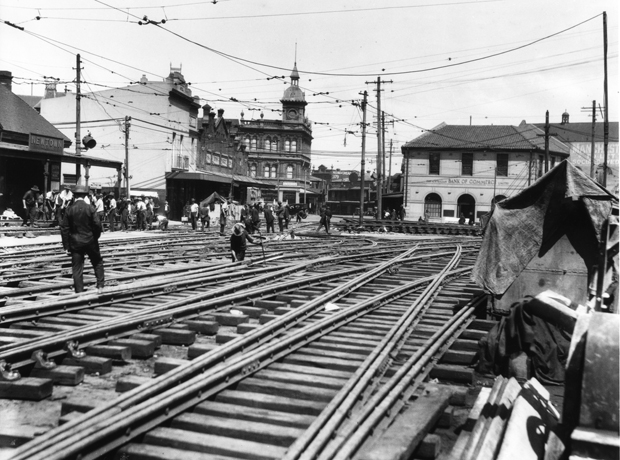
545, 344
213, 198
563, 202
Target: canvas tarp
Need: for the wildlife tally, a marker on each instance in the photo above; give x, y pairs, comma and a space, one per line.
563, 202
213, 198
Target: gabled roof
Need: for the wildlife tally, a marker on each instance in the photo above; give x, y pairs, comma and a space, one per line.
491, 137
18, 117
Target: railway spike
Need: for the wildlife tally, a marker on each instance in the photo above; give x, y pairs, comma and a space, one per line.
41, 360
72, 348
7, 374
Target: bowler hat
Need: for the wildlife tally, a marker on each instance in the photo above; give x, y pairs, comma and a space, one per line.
80, 189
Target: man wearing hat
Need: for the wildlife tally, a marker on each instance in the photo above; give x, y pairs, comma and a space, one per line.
63, 200
50, 204
238, 242
30, 205
80, 231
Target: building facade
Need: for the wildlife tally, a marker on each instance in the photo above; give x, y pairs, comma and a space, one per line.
32, 151
279, 151
150, 126
453, 170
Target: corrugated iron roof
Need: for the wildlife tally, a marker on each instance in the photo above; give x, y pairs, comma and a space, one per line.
18, 117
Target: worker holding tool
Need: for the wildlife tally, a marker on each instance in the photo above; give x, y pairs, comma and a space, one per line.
238, 242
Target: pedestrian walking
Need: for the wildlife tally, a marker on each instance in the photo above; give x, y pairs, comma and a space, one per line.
30, 206
255, 217
222, 218
204, 216
269, 219
80, 231
238, 242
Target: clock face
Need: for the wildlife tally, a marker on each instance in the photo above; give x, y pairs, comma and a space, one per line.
291, 114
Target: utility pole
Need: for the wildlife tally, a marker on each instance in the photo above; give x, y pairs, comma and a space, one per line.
547, 134
390, 166
78, 142
592, 159
127, 125
383, 162
606, 121
363, 158
379, 145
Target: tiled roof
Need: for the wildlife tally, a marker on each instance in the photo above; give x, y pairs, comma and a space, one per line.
582, 132
18, 117
503, 137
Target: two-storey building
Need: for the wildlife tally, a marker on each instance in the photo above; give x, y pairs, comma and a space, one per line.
452, 170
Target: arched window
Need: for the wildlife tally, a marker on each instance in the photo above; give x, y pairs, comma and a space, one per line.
432, 205
289, 171
274, 144
254, 143
253, 170
466, 205
287, 145
267, 144
266, 171
274, 171
247, 142
293, 146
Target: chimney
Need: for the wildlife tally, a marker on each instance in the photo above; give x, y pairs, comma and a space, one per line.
6, 79
220, 113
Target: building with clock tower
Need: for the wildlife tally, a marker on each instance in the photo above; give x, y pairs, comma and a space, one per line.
279, 151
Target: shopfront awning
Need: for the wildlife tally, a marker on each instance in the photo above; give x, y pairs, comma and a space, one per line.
219, 177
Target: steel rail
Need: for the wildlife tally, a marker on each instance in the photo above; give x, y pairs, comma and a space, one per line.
319, 433
136, 420
381, 405
64, 438
100, 331
72, 302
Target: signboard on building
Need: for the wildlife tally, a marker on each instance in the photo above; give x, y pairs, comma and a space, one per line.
45, 144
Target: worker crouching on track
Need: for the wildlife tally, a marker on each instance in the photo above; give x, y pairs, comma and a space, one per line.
238, 242
80, 231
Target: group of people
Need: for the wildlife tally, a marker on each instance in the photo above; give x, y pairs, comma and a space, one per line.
53, 206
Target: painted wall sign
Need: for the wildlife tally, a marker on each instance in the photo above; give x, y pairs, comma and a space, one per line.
45, 144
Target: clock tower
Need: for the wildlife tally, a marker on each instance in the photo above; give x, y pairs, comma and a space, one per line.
294, 100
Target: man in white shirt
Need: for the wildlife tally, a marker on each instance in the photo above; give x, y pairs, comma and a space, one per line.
194, 214
99, 207
63, 200
140, 215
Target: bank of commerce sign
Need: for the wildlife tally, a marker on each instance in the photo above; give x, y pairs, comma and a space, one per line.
45, 144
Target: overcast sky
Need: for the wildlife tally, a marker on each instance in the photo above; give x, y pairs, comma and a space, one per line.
484, 62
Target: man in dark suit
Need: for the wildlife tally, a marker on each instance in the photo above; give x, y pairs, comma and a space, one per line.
80, 231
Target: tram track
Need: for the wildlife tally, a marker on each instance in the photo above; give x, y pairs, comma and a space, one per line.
359, 286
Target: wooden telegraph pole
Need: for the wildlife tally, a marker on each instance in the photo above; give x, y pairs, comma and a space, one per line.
78, 141
379, 145
363, 164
